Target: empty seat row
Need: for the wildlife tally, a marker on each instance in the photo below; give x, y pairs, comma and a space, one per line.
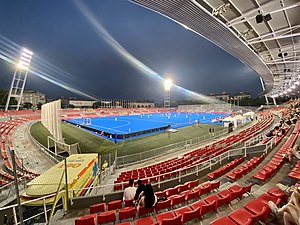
253, 211
224, 169
244, 169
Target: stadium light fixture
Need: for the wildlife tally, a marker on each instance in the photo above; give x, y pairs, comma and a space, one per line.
168, 84
25, 59
19, 78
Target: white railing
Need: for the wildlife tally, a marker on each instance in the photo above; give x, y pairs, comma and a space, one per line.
123, 161
108, 188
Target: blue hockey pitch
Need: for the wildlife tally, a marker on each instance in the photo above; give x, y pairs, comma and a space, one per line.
138, 123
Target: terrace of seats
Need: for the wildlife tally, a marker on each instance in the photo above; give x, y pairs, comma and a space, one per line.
162, 170
14, 135
215, 205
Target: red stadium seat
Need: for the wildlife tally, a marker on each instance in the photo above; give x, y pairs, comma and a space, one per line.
215, 185
177, 199
86, 220
223, 221
265, 198
144, 221
127, 212
97, 208
182, 187
198, 204
207, 208
259, 209
192, 184
172, 221
243, 217
128, 203
117, 204
204, 190
247, 189
190, 215
143, 210
191, 195
166, 215
171, 191
276, 192
107, 217
163, 205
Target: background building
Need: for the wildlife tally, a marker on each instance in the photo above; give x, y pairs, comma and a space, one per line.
224, 96
143, 105
242, 95
81, 103
33, 97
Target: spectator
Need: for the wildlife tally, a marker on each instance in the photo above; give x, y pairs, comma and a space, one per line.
293, 152
104, 165
140, 188
129, 192
148, 199
290, 211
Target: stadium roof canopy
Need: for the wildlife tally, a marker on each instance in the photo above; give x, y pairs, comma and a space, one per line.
264, 34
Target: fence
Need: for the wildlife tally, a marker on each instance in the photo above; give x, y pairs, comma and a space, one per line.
187, 171
123, 161
106, 189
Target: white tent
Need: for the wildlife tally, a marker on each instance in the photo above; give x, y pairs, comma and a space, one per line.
240, 119
228, 120
249, 114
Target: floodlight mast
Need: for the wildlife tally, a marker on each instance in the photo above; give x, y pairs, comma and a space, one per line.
167, 101
19, 79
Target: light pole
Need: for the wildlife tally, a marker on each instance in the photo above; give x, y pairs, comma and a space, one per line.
19, 78
167, 101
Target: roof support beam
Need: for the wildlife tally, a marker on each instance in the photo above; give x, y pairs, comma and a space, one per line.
243, 18
275, 38
270, 63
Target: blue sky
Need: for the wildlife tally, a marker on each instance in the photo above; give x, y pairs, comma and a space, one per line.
59, 33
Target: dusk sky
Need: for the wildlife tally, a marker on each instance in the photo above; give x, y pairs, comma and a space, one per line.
59, 33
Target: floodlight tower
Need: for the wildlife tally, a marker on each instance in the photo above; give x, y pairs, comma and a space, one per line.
19, 79
167, 101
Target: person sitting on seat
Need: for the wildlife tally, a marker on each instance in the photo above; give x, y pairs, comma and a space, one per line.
147, 198
290, 211
129, 192
293, 152
139, 189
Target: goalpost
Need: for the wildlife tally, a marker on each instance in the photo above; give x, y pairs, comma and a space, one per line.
87, 121
61, 147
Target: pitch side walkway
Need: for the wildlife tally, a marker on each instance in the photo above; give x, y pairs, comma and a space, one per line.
32, 157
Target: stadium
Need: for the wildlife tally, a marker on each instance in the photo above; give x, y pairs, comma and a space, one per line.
209, 161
